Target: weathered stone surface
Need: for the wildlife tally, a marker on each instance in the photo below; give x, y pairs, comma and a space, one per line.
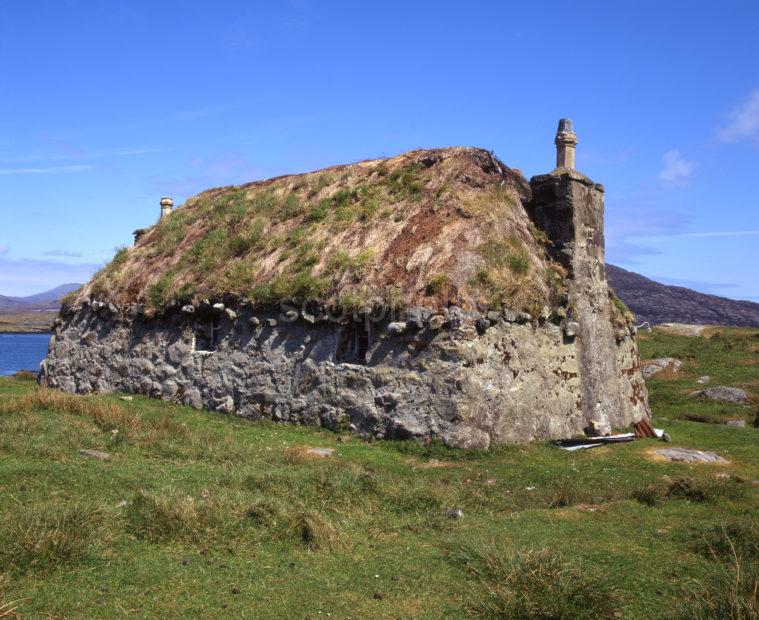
722, 394
704, 380
95, 454
397, 328
736, 423
515, 382
569, 208
663, 363
688, 455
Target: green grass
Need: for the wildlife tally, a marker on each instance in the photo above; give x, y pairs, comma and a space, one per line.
205, 515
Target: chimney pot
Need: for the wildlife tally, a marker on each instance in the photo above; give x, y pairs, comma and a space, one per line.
166, 206
565, 141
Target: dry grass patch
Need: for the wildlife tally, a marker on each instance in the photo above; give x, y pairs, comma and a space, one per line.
110, 417
40, 538
533, 584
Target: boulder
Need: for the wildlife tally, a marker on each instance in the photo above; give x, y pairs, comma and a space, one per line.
722, 394
658, 365
688, 455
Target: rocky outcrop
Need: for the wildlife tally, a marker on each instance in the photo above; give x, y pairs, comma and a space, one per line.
470, 379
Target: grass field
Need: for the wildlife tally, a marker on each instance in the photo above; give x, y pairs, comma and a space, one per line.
202, 515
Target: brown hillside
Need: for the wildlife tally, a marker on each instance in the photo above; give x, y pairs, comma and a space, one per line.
429, 227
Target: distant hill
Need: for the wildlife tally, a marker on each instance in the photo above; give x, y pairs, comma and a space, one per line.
659, 303
46, 301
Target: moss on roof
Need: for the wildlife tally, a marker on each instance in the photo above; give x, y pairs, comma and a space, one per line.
429, 227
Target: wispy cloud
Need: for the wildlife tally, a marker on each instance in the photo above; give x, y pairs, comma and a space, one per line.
63, 254
47, 170
676, 170
721, 233
126, 152
4, 249
212, 110
744, 121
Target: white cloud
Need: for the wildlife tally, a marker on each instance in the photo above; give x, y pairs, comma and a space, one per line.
744, 121
677, 170
48, 170
63, 254
726, 233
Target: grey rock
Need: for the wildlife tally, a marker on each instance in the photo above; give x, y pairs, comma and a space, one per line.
453, 513
704, 380
271, 322
219, 307
397, 328
192, 398
437, 322
231, 314
736, 423
658, 365
722, 394
493, 317
254, 321
688, 455
510, 315
571, 329
188, 309
95, 454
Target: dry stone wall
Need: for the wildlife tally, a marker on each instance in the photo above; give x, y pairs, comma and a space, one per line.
472, 380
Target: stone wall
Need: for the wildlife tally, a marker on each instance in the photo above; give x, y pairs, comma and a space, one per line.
472, 380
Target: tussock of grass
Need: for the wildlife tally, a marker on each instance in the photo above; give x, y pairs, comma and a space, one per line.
107, 416
315, 531
533, 584
173, 516
708, 490
41, 538
726, 541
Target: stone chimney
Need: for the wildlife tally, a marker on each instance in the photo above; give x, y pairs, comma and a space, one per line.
569, 207
166, 205
565, 141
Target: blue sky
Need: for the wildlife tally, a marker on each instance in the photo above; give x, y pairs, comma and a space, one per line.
107, 105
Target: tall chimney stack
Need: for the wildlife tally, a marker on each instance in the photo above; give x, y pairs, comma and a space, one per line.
565, 141
166, 205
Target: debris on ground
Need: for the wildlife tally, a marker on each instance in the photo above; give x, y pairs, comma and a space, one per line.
593, 442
